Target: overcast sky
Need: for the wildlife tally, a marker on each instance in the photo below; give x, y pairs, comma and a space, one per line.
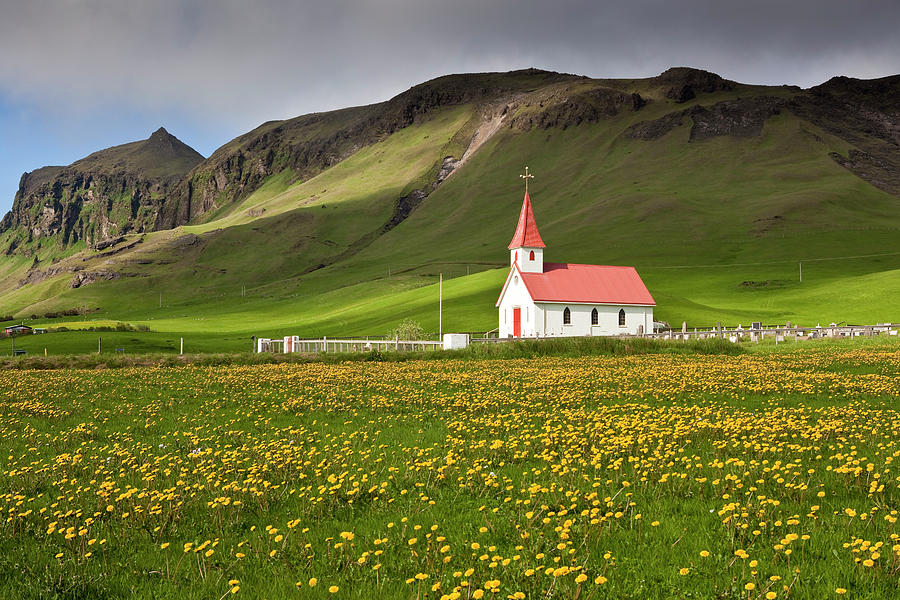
81, 75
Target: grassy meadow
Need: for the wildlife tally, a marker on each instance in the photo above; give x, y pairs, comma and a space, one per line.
689, 475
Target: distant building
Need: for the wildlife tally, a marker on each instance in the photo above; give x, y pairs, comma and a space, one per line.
17, 330
562, 299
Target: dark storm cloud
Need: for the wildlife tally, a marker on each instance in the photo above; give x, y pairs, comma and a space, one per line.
243, 62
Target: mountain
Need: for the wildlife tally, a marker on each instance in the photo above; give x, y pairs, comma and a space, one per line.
107, 194
306, 145
339, 223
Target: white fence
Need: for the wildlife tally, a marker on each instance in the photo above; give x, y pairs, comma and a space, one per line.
453, 341
313, 346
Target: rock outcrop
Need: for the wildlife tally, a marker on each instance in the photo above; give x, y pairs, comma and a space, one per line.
865, 114
684, 83
109, 193
743, 117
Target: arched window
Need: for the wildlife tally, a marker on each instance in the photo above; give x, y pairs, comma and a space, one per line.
567, 316
595, 317
531, 256
622, 317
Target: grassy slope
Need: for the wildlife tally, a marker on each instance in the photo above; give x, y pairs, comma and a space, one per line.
599, 198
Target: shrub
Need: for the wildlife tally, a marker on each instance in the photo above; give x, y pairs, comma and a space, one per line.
407, 330
375, 355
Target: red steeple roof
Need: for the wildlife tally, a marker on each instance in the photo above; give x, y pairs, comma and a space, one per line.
526, 232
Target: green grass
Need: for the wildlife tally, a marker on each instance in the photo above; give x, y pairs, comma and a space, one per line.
625, 467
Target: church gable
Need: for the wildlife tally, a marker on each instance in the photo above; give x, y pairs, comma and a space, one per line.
514, 285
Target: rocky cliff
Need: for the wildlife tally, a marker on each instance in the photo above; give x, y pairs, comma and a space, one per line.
865, 114
111, 192
308, 144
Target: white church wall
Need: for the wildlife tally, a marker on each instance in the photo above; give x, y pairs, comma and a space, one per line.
608, 320
516, 296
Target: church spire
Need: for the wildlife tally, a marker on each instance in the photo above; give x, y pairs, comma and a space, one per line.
527, 234
526, 248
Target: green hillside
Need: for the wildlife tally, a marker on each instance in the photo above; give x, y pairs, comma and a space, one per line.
715, 191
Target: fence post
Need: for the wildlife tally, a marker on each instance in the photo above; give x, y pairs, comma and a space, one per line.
325, 343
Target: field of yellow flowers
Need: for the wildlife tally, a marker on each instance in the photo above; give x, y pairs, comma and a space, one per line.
751, 476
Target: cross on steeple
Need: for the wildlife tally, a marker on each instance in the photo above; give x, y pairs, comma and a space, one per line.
526, 177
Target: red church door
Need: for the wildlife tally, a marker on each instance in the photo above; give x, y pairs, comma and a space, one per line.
517, 322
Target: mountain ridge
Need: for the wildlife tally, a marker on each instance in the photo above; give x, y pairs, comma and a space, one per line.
683, 168
307, 144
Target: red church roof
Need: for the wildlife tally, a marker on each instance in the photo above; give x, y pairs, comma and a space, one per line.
588, 284
526, 232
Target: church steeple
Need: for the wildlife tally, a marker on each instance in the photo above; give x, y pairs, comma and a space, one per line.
526, 231
526, 246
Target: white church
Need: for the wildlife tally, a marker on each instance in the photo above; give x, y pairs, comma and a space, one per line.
541, 299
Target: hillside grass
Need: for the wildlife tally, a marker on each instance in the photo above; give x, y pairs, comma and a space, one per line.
716, 228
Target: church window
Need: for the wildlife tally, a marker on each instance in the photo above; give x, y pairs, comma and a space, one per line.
622, 317
531, 256
567, 316
595, 317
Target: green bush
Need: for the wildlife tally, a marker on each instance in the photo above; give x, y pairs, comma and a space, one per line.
407, 330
